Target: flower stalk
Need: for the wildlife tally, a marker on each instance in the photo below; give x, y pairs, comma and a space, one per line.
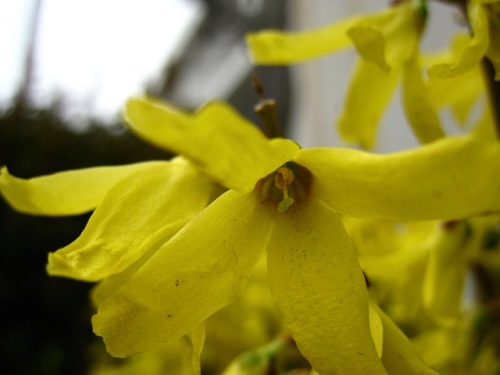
266, 110
493, 93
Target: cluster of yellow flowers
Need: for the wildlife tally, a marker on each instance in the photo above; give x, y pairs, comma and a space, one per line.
359, 247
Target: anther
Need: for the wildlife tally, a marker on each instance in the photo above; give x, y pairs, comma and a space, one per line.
283, 178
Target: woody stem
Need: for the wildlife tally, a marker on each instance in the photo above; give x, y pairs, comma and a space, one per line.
493, 90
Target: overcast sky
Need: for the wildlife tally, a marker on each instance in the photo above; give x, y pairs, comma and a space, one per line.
93, 52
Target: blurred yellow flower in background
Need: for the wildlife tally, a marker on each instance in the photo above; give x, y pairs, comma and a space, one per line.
484, 19
388, 45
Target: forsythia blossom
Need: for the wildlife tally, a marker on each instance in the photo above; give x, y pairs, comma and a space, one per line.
388, 44
177, 256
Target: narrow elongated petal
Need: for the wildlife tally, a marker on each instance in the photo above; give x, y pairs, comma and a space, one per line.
369, 94
273, 47
460, 93
376, 329
445, 273
140, 212
398, 355
188, 279
64, 193
421, 115
388, 39
441, 347
320, 291
452, 178
471, 55
213, 138
396, 264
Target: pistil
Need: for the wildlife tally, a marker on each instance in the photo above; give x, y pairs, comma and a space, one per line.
282, 179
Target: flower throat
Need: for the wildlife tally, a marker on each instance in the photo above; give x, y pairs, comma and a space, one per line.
288, 186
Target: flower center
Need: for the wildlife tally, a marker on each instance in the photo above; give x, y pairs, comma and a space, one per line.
289, 185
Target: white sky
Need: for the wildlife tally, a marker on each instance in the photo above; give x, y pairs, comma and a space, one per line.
95, 52
12, 39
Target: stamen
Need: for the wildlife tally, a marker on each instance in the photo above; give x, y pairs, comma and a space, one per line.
285, 204
282, 179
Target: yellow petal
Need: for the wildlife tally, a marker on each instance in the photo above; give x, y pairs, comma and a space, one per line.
440, 347
274, 47
389, 38
445, 273
460, 93
376, 329
369, 94
438, 181
200, 270
320, 291
421, 115
399, 356
140, 212
397, 272
218, 140
472, 54
64, 193
404, 292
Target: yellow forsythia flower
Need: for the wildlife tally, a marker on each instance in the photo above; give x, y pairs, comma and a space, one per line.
388, 44
280, 198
